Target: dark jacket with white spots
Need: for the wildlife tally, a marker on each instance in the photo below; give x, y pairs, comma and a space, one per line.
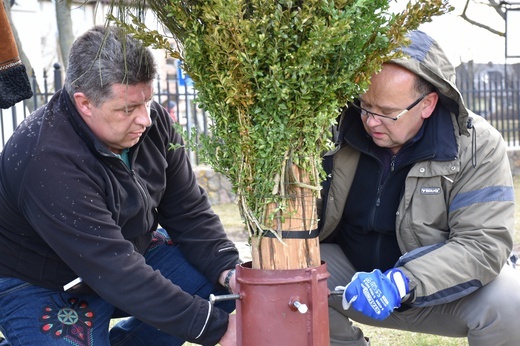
69, 208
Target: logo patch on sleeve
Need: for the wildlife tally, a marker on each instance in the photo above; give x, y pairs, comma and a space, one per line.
430, 190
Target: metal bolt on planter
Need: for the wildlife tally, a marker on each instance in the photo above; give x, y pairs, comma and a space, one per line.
336, 293
302, 308
213, 298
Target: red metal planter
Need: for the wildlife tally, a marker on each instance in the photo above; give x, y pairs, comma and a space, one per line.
282, 307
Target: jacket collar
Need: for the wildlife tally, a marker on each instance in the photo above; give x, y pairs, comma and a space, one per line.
435, 140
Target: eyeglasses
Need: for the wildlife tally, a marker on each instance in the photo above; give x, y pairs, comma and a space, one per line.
365, 112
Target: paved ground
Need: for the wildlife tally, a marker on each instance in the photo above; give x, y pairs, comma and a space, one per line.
245, 250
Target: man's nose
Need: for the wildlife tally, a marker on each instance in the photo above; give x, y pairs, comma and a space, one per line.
143, 118
373, 120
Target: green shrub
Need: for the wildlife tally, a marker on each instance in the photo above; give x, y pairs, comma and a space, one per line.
273, 76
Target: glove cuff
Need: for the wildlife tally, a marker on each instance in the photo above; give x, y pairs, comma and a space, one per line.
409, 298
401, 282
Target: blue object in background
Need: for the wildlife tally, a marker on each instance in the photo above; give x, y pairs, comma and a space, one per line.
183, 79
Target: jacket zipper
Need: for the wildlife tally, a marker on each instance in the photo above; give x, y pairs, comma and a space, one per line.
143, 193
380, 188
143, 196
377, 264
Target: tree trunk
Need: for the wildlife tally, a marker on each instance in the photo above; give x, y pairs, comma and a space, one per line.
65, 35
293, 241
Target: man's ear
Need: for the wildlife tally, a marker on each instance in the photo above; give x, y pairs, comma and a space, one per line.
429, 102
83, 104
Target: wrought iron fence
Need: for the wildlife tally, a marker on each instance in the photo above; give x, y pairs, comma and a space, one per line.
494, 97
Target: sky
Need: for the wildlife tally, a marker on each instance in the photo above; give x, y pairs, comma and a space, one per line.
463, 41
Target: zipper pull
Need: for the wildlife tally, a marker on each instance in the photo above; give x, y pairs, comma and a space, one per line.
378, 200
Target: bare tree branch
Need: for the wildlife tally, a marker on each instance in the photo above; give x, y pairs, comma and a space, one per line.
497, 6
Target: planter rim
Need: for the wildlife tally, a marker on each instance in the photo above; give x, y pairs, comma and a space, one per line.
247, 275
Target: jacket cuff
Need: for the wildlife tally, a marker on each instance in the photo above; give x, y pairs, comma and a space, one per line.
214, 328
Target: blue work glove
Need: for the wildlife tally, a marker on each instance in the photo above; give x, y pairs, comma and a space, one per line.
376, 294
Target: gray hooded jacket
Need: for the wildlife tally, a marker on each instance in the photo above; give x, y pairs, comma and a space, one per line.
455, 220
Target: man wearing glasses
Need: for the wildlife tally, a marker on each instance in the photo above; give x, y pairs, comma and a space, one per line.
417, 210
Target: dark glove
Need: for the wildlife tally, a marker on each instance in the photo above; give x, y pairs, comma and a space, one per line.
376, 294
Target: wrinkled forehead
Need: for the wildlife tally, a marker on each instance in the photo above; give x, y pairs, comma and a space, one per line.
392, 79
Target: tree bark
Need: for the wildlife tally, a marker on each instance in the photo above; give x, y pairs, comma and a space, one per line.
282, 252
65, 35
